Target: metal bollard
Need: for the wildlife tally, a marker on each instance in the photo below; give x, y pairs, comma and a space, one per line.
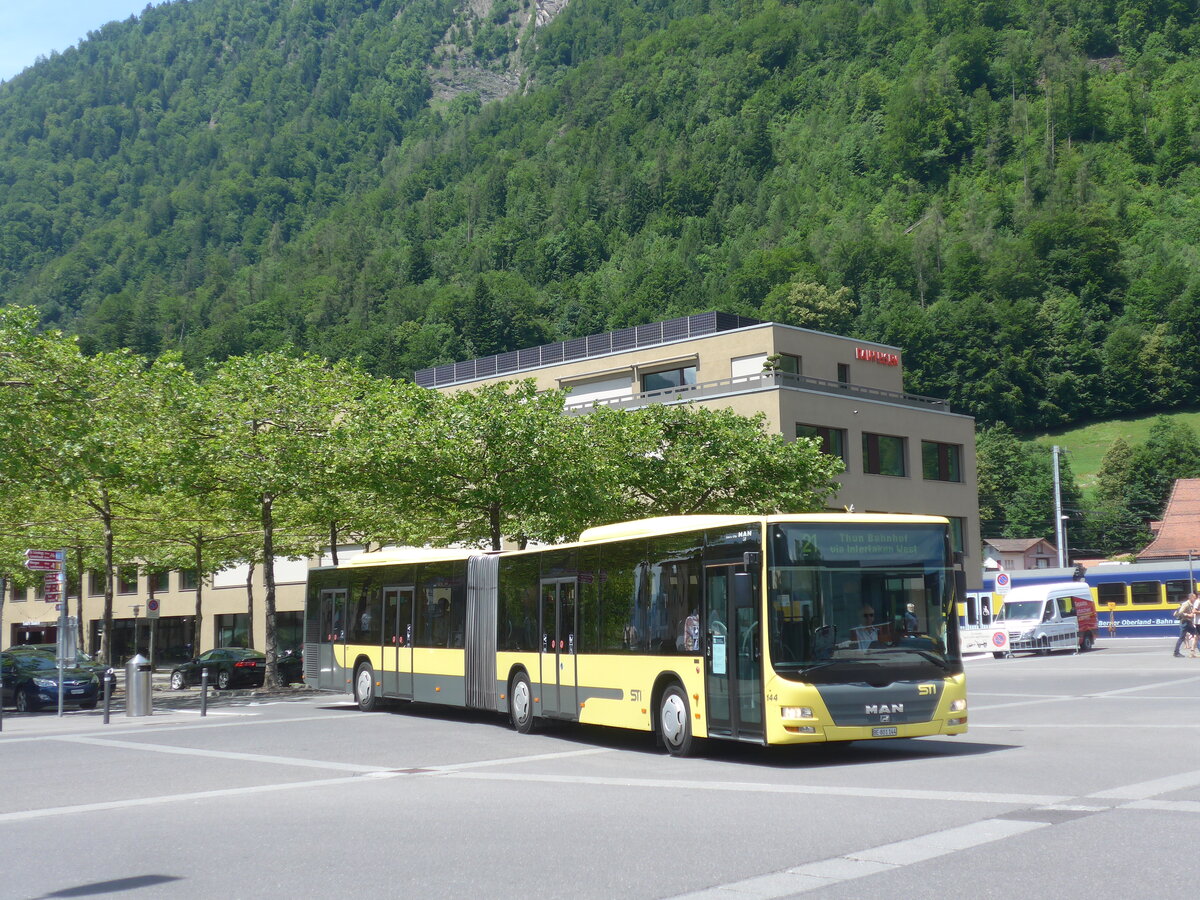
109, 678
204, 692
138, 701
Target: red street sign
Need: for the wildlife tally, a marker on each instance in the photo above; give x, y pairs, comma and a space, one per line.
52, 596
42, 565
55, 555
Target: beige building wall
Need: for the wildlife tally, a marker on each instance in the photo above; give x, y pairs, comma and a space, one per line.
27, 619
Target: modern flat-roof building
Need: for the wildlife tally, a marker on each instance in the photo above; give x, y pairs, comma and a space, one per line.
903, 452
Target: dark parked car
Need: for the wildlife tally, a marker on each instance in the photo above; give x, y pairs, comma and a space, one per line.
30, 681
82, 660
227, 667
291, 666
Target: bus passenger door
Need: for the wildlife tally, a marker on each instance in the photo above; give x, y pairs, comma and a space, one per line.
397, 641
332, 637
558, 693
733, 652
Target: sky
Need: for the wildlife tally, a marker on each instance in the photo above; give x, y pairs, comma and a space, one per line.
32, 28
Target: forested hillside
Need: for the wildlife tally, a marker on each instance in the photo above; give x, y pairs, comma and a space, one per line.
1004, 190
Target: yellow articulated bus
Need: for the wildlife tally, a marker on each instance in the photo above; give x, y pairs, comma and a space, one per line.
785, 629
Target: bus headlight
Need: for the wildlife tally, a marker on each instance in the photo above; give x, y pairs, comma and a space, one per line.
796, 712
958, 705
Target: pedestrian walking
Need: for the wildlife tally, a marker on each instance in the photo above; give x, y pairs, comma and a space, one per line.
1186, 614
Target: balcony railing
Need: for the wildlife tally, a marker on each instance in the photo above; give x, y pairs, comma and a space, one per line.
760, 381
635, 338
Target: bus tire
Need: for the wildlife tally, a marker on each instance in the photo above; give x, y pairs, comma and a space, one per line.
364, 688
520, 704
675, 721
999, 655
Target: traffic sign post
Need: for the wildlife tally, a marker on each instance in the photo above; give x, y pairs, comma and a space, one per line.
57, 556
1003, 583
53, 561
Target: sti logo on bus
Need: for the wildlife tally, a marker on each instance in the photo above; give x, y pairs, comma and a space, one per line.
926, 690
884, 708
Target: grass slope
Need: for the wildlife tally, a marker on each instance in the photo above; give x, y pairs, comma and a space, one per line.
1087, 445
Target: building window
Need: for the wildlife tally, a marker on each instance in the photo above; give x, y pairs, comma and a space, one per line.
843, 373
941, 462
18, 594
127, 580
669, 378
232, 630
158, 582
95, 583
883, 454
187, 579
833, 440
784, 362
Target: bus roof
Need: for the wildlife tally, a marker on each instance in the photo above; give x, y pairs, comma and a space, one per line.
673, 524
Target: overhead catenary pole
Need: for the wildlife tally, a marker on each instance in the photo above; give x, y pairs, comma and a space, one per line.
1060, 536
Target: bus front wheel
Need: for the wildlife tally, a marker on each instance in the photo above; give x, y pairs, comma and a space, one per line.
674, 721
520, 703
364, 689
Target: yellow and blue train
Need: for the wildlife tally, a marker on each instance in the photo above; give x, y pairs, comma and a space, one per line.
1132, 599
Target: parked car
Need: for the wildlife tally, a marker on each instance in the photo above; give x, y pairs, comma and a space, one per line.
82, 660
30, 681
227, 667
291, 666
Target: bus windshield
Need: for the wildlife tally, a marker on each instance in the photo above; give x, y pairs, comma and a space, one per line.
861, 603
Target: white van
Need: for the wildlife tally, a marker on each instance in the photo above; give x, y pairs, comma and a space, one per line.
1043, 617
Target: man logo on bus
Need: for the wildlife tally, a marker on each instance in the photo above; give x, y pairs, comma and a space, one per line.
884, 708
999, 638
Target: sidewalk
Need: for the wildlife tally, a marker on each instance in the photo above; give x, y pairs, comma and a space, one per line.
169, 707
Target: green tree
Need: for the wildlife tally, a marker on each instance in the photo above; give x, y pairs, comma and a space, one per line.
264, 427
498, 463
679, 459
1113, 526
809, 305
1171, 451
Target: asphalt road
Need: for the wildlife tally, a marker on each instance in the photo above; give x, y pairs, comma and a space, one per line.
1080, 777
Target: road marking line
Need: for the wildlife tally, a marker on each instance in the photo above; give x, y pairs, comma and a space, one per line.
1144, 790
25, 815
760, 787
223, 754
1190, 806
1144, 687
884, 858
1105, 725
508, 761
106, 731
